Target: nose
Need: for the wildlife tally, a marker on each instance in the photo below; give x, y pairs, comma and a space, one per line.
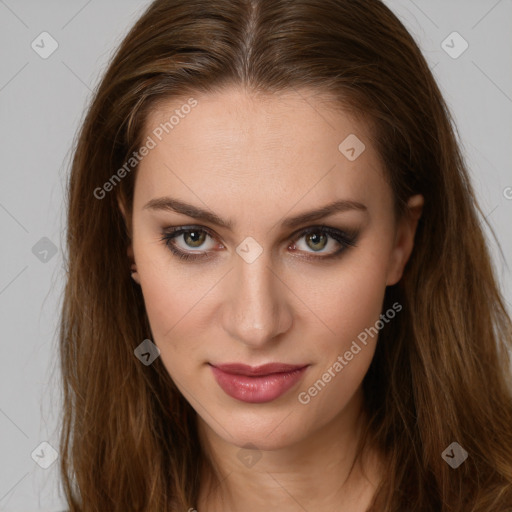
256, 310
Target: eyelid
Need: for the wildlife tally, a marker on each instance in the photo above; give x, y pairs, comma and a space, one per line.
344, 238
348, 233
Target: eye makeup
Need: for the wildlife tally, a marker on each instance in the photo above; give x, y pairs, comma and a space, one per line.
345, 240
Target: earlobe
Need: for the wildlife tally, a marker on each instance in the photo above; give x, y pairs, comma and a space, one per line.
133, 267
134, 274
404, 239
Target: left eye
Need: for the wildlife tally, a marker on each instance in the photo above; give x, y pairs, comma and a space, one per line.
317, 240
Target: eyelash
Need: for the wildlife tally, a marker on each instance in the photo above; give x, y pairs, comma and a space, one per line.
345, 239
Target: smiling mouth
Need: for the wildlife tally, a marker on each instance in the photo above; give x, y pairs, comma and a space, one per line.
257, 384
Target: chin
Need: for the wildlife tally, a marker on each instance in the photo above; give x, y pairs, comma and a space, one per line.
264, 429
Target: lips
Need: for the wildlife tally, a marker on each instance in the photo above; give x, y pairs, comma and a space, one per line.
257, 384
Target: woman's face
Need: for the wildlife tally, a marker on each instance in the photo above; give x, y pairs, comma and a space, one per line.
263, 282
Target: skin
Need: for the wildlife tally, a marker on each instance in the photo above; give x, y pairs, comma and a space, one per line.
257, 160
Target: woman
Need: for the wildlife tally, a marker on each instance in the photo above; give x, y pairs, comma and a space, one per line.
279, 294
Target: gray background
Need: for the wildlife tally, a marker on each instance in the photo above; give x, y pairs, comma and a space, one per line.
42, 102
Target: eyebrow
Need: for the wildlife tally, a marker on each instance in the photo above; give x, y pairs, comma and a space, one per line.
178, 206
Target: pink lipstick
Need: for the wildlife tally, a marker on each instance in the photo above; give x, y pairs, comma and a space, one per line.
257, 384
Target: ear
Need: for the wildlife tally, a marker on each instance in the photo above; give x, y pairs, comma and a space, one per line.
129, 250
404, 238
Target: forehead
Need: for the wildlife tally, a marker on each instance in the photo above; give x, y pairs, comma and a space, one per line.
259, 147
234, 116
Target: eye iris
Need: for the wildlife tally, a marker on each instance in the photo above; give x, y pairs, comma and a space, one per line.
316, 238
195, 234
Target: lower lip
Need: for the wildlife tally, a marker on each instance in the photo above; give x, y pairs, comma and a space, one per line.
263, 388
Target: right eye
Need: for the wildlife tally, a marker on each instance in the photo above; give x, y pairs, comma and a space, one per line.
192, 237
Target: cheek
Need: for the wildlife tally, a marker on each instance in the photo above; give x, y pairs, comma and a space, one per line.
174, 312
349, 305
343, 356
173, 295
347, 298
174, 305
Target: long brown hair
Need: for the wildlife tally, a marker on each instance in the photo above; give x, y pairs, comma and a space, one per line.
439, 375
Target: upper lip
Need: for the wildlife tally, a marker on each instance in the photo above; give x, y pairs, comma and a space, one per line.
264, 369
